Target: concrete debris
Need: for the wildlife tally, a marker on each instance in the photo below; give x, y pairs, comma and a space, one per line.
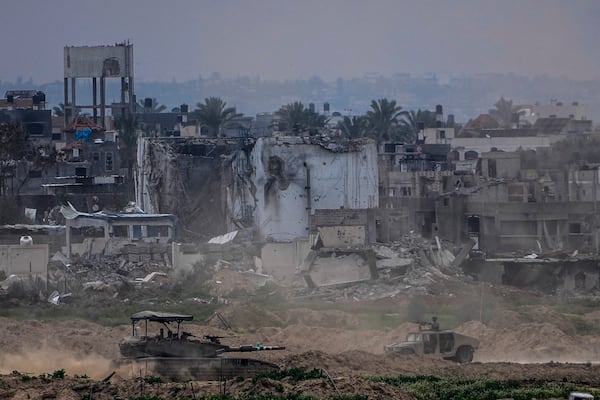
222, 264
222, 239
97, 285
60, 257
394, 263
56, 298
104, 276
442, 258
150, 277
409, 266
219, 273
256, 278
382, 252
10, 281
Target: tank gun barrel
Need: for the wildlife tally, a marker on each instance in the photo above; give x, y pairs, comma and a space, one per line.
251, 347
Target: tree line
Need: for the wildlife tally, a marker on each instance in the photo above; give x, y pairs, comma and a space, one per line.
384, 121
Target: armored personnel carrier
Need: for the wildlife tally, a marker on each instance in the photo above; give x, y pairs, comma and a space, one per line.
176, 354
433, 343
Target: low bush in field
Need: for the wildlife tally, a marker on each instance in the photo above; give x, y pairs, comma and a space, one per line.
428, 387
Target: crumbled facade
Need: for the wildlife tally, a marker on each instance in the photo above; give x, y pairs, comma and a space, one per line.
271, 184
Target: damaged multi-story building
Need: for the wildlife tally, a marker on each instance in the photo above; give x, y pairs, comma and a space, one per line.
524, 198
80, 163
79, 158
273, 184
274, 187
528, 202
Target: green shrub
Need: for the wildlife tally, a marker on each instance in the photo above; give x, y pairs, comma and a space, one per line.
153, 379
58, 374
296, 374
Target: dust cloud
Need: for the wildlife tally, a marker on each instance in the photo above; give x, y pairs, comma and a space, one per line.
45, 359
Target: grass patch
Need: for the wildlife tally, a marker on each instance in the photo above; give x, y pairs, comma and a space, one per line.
296, 374
427, 387
270, 396
576, 306
107, 315
583, 327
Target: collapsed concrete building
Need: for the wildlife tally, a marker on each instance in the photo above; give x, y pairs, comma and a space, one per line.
280, 189
534, 224
271, 184
109, 232
289, 191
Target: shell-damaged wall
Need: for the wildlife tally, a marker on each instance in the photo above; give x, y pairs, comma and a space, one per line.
287, 170
188, 178
219, 185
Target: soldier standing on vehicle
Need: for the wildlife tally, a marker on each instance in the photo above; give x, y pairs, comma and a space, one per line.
435, 326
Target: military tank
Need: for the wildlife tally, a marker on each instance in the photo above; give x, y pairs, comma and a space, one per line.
175, 354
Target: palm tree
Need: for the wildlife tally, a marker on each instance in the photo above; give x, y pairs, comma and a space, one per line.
354, 127
214, 113
382, 118
296, 118
154, 108
13, 146
409, 123
313, 120
503, 112
292, 116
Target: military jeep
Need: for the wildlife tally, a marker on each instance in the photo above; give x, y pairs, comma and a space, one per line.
444, 344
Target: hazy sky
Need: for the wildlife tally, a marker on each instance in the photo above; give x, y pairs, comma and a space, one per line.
279, 39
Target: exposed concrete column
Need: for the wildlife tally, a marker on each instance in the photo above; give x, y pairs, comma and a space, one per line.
66, 100
123, 86
73, 97
595, 198
95, 98
132, 102
106, 234
497, 232
417, 185
68, 231
102, 100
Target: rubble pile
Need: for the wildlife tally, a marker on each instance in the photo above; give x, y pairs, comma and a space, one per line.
109, 275
229, 269
410, 266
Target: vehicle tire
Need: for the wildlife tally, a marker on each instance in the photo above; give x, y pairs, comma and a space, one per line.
464, 354
406, 351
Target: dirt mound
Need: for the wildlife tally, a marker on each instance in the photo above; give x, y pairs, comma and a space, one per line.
298, 338
322, 388
324, 319
227, 283
19, 387
535, 314
247, 317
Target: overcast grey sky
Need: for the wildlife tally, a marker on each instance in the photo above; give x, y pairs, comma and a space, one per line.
280, 39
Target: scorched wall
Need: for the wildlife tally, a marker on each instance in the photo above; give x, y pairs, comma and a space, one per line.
294, 176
